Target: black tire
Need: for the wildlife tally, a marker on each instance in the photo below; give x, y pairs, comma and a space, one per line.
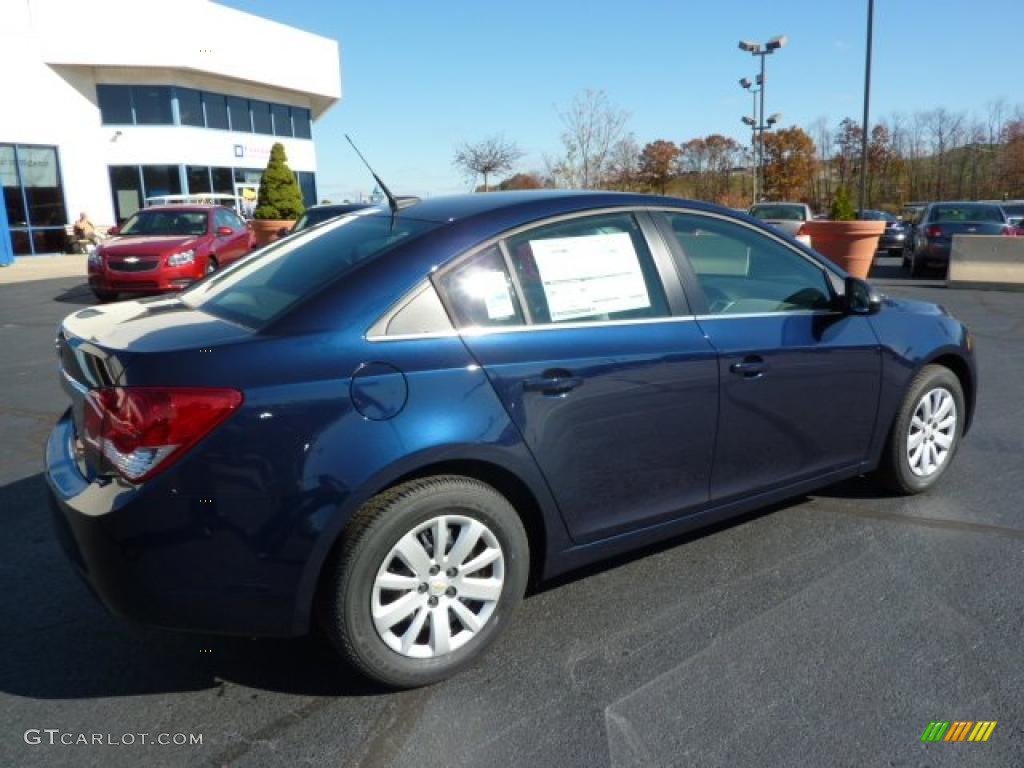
211, 265
105, 296
894, 471
345, 605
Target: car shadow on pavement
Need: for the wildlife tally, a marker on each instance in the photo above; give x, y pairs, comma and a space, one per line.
79, 294
60, 643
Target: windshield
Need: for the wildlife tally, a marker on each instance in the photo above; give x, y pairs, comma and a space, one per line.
166, 223
967, 213
779, 212
1014, 209
273, 279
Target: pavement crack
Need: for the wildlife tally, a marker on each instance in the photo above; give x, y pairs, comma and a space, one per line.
931, 522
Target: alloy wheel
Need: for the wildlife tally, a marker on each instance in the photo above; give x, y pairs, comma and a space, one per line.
438, 586
932, 432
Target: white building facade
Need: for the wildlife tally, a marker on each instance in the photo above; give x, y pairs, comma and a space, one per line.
109, 102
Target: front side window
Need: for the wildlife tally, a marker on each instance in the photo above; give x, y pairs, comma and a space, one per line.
742, 271
588, 269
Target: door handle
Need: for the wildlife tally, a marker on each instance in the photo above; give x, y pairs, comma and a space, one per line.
752, 367
552, 382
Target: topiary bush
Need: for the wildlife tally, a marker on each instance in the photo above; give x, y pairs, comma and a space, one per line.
279, 196
842, 209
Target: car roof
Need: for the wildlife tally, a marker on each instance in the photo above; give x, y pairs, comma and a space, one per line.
182, 208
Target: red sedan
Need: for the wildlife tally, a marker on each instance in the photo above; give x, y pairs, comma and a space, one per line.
167, 248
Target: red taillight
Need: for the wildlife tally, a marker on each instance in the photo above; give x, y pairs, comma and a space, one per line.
933, 231
1009, 231
140, 431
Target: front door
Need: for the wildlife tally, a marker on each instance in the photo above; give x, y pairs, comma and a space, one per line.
614, 392
799, 379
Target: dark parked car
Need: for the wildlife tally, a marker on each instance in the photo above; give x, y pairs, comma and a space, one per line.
931, 236
317, 214
895, 235
1014, 210
167, 248
390, 424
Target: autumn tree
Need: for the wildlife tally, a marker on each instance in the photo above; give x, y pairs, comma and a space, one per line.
488, 157
657, 164
623, 172
522, 181
789, 164
591, 127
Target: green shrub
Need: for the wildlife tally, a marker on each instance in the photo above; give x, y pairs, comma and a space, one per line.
280, 196
842, 209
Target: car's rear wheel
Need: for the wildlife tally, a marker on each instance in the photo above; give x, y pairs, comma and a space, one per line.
926, 434
425, 579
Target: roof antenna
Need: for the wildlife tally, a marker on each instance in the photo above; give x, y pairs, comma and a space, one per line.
392, 200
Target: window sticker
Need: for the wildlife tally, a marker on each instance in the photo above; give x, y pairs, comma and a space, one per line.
590, 275
491, 287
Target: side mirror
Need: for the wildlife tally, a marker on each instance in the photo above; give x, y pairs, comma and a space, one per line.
225, 231
115, 230
861, 298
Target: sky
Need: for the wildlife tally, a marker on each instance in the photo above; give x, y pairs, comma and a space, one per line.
420, 78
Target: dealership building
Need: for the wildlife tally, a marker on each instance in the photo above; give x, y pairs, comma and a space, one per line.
110, 102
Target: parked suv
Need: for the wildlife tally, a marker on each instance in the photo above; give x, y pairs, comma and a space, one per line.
389, 423
167, 248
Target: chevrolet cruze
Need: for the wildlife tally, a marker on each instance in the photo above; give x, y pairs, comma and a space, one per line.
390, 423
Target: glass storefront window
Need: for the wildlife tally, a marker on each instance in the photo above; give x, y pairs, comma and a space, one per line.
126, 187
198, 178
300, 118
223, 180
282, 120
216, 110
160, 180
261, 117
13, 200
152, 105
190, 107
115, 104
307, 183
33, 198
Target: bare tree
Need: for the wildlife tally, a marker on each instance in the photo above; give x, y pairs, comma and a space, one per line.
591, 127
486, 158
624, 165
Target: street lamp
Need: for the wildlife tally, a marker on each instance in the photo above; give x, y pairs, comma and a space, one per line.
862, 201
763, 50
747, 84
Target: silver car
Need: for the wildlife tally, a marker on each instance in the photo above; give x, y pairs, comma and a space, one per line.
788, 217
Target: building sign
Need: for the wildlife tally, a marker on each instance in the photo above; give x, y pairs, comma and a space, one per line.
38, 166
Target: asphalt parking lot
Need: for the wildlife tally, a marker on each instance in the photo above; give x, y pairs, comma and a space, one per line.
826, 631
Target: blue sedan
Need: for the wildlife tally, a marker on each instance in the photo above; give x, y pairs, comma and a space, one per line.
390, 423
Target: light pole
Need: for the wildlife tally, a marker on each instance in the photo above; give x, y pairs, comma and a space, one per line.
752, 122
864, 125
765, 50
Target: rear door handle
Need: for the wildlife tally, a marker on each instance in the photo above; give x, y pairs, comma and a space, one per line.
552, 382
751, 367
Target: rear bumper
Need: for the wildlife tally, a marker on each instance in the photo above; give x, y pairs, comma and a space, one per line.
934, 255
891, 242
156, 559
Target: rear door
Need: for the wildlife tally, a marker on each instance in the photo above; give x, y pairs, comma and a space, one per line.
799, 380
583, 330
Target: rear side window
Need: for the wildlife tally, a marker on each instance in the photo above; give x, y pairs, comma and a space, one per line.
279, 276
480, 292
588, 269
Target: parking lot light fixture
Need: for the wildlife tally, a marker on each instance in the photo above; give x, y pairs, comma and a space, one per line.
763, 51
748, 84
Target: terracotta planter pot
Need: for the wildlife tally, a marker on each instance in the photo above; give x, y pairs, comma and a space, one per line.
268, 230
850, 244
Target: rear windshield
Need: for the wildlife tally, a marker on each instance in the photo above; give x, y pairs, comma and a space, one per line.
166, 223
778, 212
271, 280
967, 213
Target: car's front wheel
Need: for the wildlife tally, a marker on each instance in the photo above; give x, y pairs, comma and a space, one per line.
425, 579
926, 434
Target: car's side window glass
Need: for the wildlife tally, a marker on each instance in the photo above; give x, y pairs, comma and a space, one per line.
424, 313
222, 219
587, 269
742, 271
480, 293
